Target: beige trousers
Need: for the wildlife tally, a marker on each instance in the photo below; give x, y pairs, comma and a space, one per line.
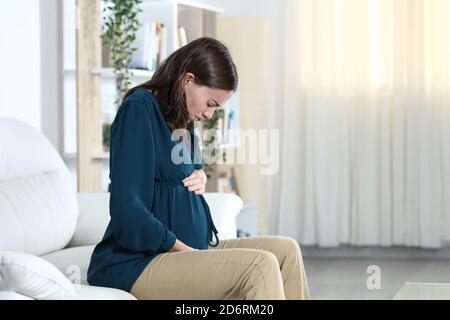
256, 268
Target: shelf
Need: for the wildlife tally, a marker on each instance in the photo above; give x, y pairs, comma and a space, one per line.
101, 156
228, 146
96, 156
109, 73
187, 3
197, 5
68, 156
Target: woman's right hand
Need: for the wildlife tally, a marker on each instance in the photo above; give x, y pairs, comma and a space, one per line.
180, 247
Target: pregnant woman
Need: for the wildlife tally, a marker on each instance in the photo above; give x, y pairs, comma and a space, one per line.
161, 242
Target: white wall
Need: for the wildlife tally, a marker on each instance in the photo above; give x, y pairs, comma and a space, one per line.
31, 66
51, 71
29, 62
20, 81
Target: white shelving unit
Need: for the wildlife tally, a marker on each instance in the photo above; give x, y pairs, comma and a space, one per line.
197, 18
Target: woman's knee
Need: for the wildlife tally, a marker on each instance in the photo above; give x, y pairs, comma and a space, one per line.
260, 263
289, 245
267, 262
266, 276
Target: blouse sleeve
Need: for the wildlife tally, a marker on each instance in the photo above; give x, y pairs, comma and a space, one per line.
132, 174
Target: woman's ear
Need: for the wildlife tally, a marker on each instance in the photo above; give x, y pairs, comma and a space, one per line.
188, 79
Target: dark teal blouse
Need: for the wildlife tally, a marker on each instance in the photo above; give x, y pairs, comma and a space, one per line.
149, 206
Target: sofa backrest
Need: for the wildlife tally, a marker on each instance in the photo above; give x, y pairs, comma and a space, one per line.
38, 206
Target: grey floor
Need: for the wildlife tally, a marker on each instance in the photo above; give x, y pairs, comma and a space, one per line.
333, 276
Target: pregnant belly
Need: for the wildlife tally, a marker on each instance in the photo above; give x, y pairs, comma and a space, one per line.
183, 213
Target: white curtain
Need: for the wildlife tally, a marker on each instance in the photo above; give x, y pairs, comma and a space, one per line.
366, 124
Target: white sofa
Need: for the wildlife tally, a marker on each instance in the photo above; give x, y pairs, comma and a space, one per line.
42, 215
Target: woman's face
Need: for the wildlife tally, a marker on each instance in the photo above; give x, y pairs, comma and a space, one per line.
203, 101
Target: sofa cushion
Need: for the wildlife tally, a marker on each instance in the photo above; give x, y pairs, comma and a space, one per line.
93, 219
11, 295
100, 293
34, 277
72, 262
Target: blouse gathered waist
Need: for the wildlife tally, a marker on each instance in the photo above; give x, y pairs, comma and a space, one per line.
175, 181
170, 181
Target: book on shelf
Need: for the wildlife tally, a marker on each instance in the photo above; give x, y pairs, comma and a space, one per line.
163, 44
151, 45
182, 37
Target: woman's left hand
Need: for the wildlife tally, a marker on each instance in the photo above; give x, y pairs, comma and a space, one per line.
196, 182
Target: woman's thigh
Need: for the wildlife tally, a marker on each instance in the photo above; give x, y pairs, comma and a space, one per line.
280, 246
210, 274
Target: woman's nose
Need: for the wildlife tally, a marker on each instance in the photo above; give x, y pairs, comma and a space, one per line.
208, 114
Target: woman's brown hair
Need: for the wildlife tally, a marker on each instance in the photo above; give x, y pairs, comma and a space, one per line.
210, 62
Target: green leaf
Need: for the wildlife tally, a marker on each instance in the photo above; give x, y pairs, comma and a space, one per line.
119, 32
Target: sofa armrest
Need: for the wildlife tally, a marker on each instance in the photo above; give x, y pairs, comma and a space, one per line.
93, 218
11, 295
224, 208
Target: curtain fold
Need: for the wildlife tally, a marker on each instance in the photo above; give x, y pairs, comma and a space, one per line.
366, 123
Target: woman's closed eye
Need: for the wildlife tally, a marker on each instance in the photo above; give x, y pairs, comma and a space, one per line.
214, 103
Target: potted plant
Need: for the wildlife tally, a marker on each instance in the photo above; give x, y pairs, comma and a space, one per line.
106, 136
120, 25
